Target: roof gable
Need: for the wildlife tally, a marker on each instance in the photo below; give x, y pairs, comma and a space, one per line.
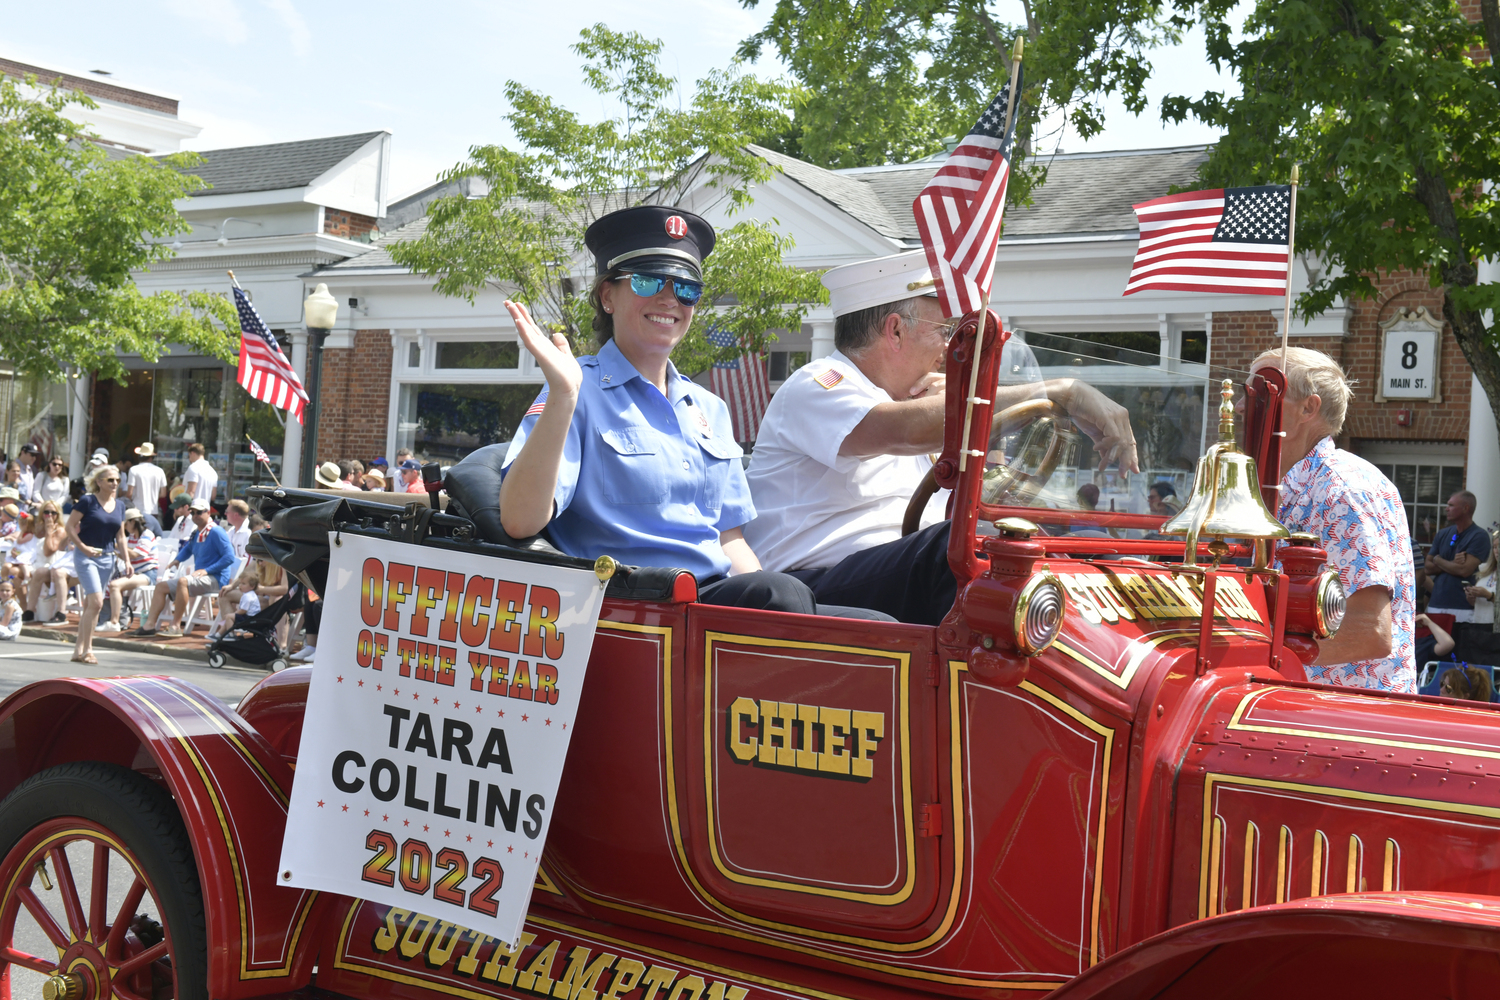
275, 166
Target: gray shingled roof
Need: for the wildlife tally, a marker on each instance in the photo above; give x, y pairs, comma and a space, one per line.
850, 194
378, 256
275, 166
1084, 193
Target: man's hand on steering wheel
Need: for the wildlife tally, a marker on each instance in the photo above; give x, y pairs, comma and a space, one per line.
1106, 422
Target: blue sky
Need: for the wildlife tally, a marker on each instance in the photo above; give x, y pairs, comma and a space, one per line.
253, 71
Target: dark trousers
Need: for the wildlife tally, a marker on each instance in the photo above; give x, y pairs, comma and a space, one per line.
908, 578
769, 591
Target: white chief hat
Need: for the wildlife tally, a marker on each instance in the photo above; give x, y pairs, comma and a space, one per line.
852, 287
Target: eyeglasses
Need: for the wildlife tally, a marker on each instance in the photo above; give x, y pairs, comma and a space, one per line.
647, 285
945, 327
49, 513
112, 479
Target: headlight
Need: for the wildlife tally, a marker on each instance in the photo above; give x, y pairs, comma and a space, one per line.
1329, 605
1040, 608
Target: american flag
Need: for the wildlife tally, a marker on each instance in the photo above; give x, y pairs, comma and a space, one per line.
264, 370
1230, 240
958, 213
742, 384
258, 451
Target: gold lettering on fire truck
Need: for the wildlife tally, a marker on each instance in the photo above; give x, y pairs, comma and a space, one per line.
1105, 599
833, 742
540, 968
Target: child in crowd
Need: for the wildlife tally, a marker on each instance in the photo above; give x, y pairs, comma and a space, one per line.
10, 612
141, 543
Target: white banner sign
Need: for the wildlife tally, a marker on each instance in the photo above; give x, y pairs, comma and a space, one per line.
442, 701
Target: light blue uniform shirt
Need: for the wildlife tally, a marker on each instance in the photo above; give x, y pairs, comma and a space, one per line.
649, 479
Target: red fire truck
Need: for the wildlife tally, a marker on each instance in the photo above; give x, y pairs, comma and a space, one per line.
1104, 774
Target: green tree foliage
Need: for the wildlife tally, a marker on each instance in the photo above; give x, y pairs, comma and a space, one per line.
526, 235
1394, 124
889, 79
74, 224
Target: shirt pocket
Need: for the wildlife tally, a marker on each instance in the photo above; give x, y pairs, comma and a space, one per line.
632, 468
721, 463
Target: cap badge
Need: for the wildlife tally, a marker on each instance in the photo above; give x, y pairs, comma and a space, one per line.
676, 227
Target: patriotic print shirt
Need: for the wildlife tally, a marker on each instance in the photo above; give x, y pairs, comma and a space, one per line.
1357, 513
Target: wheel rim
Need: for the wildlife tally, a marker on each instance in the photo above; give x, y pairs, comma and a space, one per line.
96, 933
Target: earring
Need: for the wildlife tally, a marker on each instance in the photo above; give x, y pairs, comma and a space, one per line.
609, 309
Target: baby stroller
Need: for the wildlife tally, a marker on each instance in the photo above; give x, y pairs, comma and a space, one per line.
252, 639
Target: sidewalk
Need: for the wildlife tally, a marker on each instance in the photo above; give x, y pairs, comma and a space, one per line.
187, 647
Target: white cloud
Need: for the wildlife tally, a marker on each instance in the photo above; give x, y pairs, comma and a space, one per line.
297, 30
218, 18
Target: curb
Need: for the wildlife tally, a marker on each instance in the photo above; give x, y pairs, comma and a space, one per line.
105, 642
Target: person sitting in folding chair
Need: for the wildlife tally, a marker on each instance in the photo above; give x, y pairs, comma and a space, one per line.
214, 562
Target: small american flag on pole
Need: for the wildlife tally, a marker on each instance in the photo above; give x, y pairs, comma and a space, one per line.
1231, 240
258, 451
742, 384
958, 213
264, 370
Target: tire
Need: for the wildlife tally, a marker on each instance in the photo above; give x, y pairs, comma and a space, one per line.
65, 821
216, 659
279, 664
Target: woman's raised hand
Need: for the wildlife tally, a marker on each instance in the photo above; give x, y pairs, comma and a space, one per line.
552, 353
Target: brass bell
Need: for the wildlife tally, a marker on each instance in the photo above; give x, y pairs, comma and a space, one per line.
1226, 500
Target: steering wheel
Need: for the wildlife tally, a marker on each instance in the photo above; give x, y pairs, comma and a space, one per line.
1009, 480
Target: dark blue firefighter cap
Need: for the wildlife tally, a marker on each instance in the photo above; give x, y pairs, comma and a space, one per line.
651, 239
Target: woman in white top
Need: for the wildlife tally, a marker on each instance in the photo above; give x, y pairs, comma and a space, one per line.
55, 560
52, 483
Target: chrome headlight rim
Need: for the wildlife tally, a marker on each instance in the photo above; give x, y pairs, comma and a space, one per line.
1328, 604
1041, 607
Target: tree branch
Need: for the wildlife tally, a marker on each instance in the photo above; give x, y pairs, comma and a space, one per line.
1489, 11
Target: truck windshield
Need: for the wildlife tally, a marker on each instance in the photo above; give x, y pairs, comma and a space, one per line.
1044, 458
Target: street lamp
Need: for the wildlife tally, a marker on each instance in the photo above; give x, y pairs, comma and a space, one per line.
319, 310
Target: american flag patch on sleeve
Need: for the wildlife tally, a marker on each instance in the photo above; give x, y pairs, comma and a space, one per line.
538, 406
829, 379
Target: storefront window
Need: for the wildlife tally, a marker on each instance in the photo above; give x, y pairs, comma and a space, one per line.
494, 354
444, 422
1424, 490
34, 411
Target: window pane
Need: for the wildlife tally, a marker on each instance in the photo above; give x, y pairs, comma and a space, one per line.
1406, 483
1453, 481
1427, 484
1195, 346
188, 407
778, 366
414, 356
1076, 349
443, 423
480, 354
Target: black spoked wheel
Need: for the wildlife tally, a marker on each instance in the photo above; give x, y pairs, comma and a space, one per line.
99, 894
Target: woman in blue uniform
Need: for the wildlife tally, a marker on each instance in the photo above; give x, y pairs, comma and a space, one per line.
621, 454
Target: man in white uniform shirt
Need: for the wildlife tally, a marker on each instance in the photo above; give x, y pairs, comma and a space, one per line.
847, 438
200, 477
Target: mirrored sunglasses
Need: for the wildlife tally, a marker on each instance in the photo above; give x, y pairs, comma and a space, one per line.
647, 285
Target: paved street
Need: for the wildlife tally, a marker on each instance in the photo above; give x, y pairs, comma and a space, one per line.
29, 659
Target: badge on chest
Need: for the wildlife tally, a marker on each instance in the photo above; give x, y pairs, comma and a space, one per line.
701, 420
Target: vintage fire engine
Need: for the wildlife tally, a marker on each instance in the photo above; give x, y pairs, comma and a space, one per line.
1101, 774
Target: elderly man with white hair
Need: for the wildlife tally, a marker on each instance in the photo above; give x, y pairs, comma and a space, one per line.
847, 438
1357, 514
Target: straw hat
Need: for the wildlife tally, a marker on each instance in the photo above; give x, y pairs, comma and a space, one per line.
328, 475
146, 450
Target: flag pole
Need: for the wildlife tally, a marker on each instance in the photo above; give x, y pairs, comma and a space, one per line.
266, 464
1291, 243
233, 280
984, 311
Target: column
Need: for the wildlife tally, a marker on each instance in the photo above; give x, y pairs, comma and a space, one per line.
1483, 474
80, 386
291, 452
1483, 478
822, 338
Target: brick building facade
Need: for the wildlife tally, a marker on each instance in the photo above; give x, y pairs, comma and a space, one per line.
355, 398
